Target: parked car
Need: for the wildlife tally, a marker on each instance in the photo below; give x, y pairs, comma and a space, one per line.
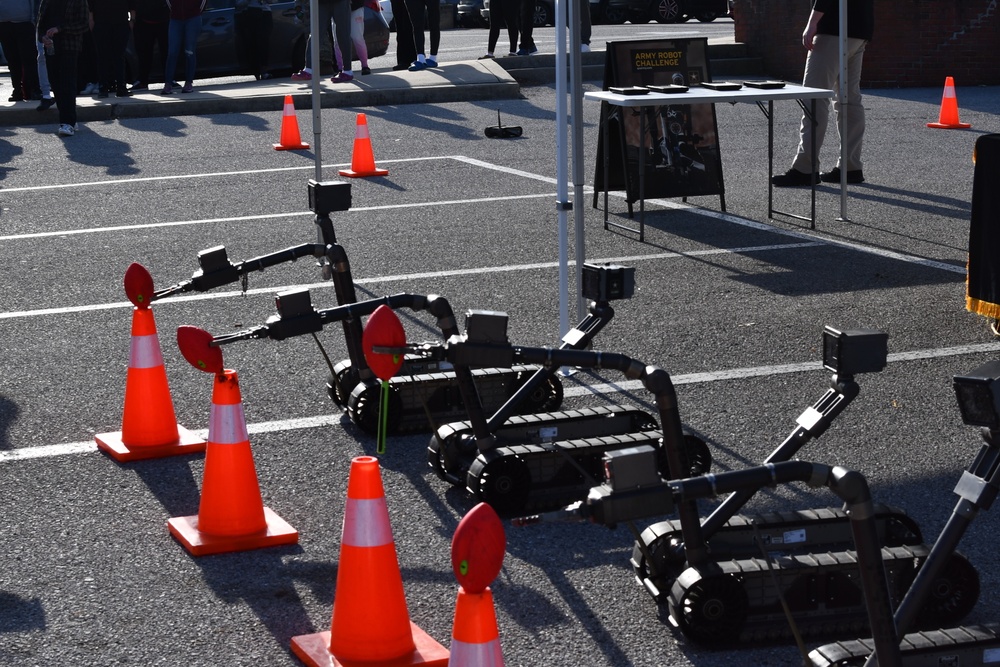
670, 11
217, 54
545, 12
470, 14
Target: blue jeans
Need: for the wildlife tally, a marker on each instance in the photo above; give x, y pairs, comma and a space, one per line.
182, 34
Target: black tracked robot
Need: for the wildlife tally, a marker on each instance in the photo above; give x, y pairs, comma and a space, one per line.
978, 395
425, 393
484, 345
728, 580
497, 458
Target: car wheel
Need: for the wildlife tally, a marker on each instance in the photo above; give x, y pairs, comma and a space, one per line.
665, 11
614, 15
543, 14
706, 17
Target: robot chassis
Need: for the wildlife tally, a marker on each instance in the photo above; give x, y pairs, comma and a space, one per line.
734, 579
978, 396
718, 600
522, 476
425, 392
498, 459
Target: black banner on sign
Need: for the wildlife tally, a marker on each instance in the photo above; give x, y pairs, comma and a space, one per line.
680, 142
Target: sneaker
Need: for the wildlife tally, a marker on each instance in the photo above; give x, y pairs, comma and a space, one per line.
343, 77
90, 89
833, 176
430, 62
302, 75
527, 52
416, 66
188, 88
45, 104
488, 56
66, 130
167, 89
511, 54
794, 177
365, 71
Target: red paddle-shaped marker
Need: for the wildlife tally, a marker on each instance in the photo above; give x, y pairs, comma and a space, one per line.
138, 285
383, 329
477, 549
195, 345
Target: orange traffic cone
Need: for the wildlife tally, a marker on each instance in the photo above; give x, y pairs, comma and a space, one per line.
948, 118
371, 624
231, 516
290, 139
149, 427
475, 639
363, 159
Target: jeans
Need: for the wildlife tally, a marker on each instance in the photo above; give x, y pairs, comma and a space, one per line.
182, 33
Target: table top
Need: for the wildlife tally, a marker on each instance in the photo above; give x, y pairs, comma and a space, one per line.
699, 95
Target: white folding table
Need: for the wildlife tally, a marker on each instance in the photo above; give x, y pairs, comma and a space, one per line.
700, 95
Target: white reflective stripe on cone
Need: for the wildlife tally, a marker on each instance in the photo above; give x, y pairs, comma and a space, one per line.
476, 655
366, 523
145, 352
227, 425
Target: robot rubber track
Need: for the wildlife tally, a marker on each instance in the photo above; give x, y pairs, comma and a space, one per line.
554, 474
296, 316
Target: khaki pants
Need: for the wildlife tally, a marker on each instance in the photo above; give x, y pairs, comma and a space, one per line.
823, 71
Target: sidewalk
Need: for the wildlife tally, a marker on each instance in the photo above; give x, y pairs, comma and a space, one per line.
450, 82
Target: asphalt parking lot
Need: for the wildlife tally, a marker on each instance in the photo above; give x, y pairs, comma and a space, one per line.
730, 304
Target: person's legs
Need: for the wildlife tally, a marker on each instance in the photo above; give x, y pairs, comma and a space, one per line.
43, 72
495, 22
8, 43
510, 10
175, 35
26, 46
326, 52
145, 40
104, 43
417, 12
122, 32
585, 24
358, 36
62, 66
527, 25
854, 110
405, 50
192, 27
821, 71
342, 46
434, 26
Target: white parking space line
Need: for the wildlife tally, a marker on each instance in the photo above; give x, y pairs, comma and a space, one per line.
760, 226
319, 421
407, 276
